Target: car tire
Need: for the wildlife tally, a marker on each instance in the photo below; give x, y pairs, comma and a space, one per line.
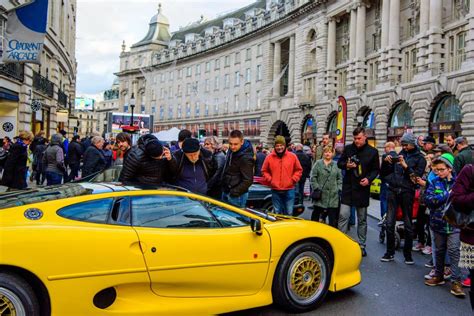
17, 296
302, 278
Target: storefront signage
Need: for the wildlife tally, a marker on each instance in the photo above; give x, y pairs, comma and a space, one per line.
445, 127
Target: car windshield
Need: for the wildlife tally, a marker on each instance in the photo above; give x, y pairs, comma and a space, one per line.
24, 197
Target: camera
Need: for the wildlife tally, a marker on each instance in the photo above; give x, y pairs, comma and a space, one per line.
354, 159
394, 156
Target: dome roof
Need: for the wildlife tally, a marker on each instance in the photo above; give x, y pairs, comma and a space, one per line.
158, 30
159, 18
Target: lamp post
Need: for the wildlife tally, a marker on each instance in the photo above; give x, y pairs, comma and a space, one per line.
132, 106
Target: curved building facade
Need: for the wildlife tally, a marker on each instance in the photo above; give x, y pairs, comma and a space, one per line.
277, 67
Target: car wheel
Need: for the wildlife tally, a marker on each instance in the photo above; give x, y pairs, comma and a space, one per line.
17, 296
302, 278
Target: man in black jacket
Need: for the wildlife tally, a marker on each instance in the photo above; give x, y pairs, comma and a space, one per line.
148, 163
74, 157
94, 160
400, 172
260, 158
195, 166
305, 162
361, 164
237, 176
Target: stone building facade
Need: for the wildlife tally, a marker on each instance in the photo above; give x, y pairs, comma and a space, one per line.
39, 97
109, 103
277, 67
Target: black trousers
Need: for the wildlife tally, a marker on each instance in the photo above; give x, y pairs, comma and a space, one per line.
74, 171
405, 201
321, 213
421, 221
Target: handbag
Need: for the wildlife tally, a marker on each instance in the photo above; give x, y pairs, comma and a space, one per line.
317, 194
458, 219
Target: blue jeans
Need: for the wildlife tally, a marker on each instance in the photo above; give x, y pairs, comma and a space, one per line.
383, 199
450, 244
283, 201
53, 178
239, 201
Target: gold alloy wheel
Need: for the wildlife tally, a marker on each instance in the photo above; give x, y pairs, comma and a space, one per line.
10, 303
306, 277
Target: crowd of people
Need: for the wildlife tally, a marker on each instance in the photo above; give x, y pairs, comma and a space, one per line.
413, 171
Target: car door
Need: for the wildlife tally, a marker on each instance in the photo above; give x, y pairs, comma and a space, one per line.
190, 253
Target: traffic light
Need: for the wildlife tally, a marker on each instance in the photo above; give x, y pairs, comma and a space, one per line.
201, 133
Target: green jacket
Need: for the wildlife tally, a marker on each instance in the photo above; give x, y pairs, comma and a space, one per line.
463, 158
319, 174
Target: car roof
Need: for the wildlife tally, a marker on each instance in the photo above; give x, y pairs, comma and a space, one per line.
56, 192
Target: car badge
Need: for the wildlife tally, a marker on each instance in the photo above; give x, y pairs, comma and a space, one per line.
33, 214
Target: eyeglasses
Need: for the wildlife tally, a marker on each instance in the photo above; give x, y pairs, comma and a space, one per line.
440, 169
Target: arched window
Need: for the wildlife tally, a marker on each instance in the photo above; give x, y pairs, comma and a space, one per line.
401, 116
309, 129
332, 123
448, 110
311, 36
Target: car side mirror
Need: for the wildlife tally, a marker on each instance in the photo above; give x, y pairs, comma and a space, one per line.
256, 226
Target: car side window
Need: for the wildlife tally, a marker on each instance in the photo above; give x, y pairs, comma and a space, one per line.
161, 211
96, 211
228, 218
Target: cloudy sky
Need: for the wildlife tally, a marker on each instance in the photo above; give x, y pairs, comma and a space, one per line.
102, 25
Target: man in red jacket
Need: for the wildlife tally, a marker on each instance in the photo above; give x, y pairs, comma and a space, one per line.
282, 170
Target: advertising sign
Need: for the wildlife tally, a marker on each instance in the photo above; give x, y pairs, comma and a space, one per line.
142, 123
25, 32
341, 121
84, 104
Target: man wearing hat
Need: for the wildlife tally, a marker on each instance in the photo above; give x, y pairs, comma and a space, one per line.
195, 166
282, 170
400, 172
429, 144
148, 163
464, 156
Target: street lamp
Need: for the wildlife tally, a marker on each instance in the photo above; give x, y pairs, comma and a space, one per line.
132, 106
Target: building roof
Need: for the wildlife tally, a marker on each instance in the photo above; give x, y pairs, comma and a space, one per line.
199, 27
158, 30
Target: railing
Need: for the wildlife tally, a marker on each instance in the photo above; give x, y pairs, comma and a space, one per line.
62, 98
42, 84
13, 70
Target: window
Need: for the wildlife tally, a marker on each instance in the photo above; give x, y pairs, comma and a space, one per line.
207, 85
237, 78
188, 89
162, 113
259, 72
206, 110
217, 64
259, 100
125, 108
248, 54
179, 111
170, 111
226, 81
198, 69
197, 109
171, 75
226, 217
216, 106
178, 92
170, 92
180, 73
227, 61
237, 58
170, 212
226, 105
96, 211
236, 102
457, 52
247, 75
208, 66
188, 110
216, 83
247, 98
163, 77
259, 50
189, 71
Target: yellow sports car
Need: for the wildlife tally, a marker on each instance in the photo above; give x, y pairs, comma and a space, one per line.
108, 249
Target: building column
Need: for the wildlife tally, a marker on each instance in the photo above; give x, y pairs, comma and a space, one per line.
331, 59
353, 35
276, 68
424, 16
435, 40
385, 23
291, 66
422, 44
470, 35
360, 67
393, 62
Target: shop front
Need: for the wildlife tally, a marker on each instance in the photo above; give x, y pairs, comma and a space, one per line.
446, 117
331, 128
8, 113
366, 119
401, 122
308, 132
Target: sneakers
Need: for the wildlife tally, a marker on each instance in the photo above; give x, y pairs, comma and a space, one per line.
387, 258
430, 275
434, 281
418, 247
456, 290
427, 250
429, 264
466, 282
364, 252
409, 261
381, 222
447, 273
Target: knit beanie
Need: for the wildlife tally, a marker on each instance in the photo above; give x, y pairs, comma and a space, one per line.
153, 148
408, 138
447, 159
190, 145
280, 140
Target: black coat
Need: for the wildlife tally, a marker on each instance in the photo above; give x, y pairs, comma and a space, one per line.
14, 174
237, 176
259, 163
75, 151
138, 167
305, 162
398, 178
353, 193
214, 189
94, 161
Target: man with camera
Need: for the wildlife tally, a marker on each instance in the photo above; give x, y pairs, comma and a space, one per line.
401, 172
361, 164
